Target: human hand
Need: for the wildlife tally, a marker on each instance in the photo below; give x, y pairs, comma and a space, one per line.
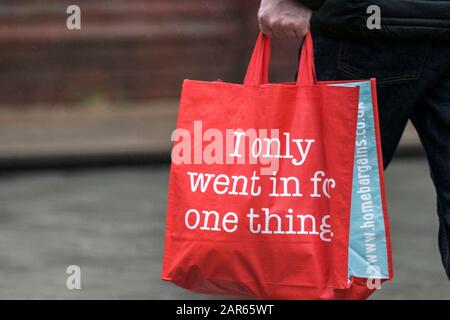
283, 18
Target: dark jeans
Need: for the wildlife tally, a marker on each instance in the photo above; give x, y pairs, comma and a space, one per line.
413, 83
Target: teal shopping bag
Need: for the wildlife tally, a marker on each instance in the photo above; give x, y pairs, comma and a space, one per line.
369, 248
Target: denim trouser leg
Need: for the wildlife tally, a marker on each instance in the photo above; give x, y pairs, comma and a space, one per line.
432, 121
413, 82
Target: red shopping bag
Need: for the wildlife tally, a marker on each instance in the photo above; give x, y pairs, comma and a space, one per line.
261, 186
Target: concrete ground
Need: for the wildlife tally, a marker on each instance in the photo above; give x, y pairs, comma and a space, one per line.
111, 224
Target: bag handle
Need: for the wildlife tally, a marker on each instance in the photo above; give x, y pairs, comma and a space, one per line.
258, 68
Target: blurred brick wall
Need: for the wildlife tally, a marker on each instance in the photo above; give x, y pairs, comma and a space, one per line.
126, 49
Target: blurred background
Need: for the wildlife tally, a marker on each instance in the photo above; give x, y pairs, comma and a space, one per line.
85, 123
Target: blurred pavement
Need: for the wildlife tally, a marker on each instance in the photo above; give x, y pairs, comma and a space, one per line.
99, 132
111, 224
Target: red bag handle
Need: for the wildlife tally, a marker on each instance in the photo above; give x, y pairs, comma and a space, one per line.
258, 68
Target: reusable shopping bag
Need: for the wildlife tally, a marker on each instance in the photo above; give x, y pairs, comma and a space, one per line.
276, 190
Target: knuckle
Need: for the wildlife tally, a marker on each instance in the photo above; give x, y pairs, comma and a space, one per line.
262, 17
291, 25
275, 23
